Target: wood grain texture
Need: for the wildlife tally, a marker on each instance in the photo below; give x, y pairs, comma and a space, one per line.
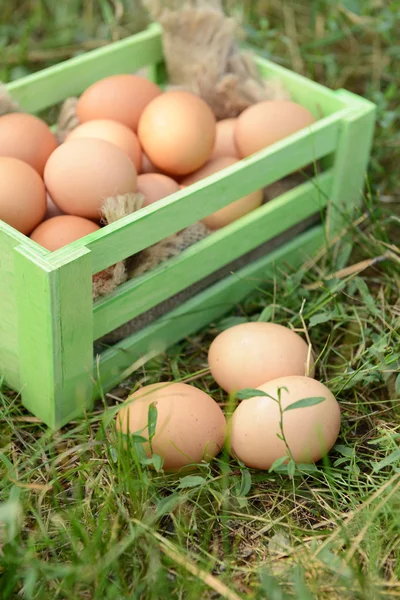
54, 333
210, 254
69, 78
151, 224
115, 363
351, 161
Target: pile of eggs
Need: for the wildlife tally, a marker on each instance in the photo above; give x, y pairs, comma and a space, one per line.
258, 357
132, 137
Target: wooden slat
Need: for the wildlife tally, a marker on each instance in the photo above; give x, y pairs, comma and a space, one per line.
321, 101
55, 323
201, 310
69, 78
207, 256
155, 222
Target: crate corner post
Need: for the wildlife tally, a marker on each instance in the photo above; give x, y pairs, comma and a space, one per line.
351, 162
55, 334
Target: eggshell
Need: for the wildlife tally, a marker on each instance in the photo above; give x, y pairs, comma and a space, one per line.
82, 173
310, 432
147, 165
113, 132
52, 209
119, 98
56, 232
155, 186
225, 144
250, 354
232, 211
190, 425
265, 123
27, 138
177, 132
22, 195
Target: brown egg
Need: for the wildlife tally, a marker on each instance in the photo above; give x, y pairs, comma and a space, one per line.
190, 425
265, 123
225, 144
113, 132
62, 230
250, 354
119, 98
147, 165
28, 138
236, 209
310, 431
52, 209
155, 186
82, 173
177, 132
22, 195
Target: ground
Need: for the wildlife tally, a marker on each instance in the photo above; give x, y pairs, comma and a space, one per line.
83, 521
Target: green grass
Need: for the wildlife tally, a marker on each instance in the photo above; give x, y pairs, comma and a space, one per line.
82, 520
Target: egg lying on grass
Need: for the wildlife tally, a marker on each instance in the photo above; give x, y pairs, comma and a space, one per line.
310, 421
250, 354
190, 426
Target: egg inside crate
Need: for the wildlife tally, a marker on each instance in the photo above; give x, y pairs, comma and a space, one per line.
22, 195
250, 354
119, 98
27, 138
310, 431
265, 123
177, 132
236, 209
59, 231
155, 186
190, 424
225, 144
82, 173
113, 132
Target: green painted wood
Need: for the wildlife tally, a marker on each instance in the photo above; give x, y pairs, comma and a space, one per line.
351, 161
69, 78
9, 359
201, 310
208, 255
55, 324
151, 224
321, 101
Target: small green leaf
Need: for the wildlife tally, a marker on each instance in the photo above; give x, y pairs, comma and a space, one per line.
306, 468
320, 318
344, 450
277, 463
158, 462
137, 439
389, 460
152, 415
272, 587
168, 504
191, 481
248, 393
291, 468
266, 314
397, 385
245, 483
304, 403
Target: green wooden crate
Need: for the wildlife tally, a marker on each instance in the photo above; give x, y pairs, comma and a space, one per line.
48, 322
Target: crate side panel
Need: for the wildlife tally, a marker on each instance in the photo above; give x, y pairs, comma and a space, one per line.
123, 238
9, 365
55, 324
210, 254
69, 78
119, 362
320, 100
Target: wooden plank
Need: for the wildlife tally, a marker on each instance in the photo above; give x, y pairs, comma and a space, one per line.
69, 78
55, 323
9, 360
159, 220
208, 255
320, 100
351, 162
200, 310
